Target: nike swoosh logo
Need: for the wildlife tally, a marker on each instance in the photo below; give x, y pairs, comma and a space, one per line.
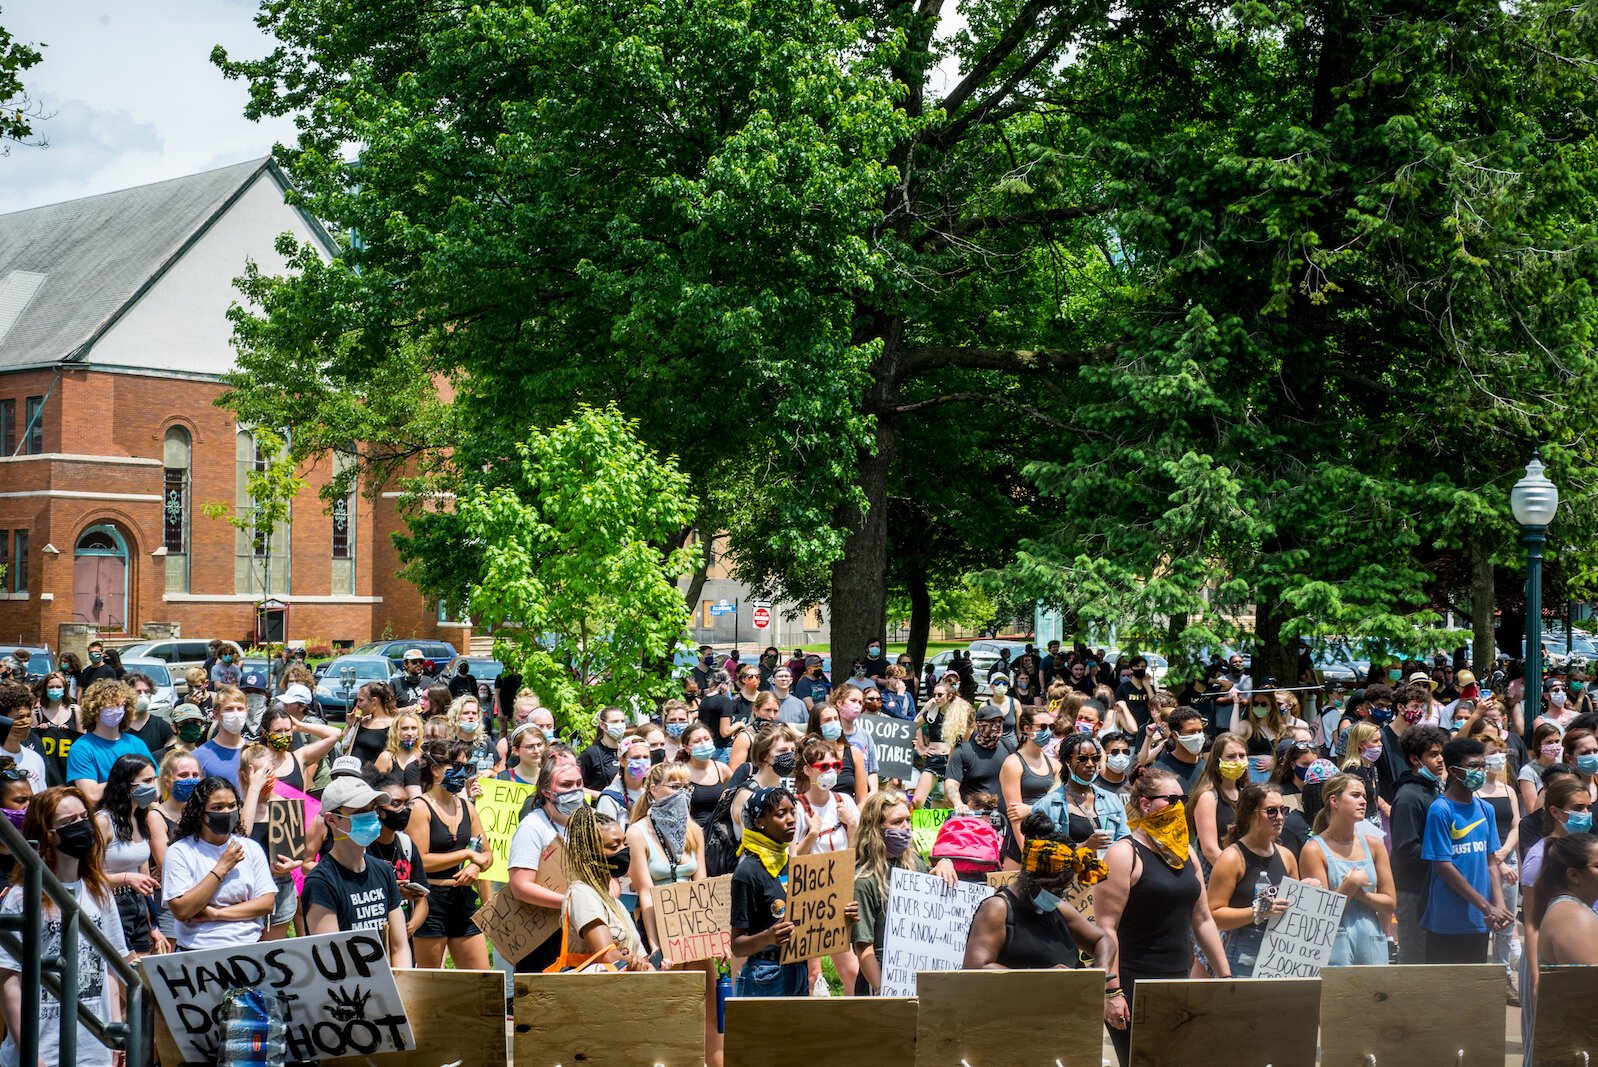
1459, 833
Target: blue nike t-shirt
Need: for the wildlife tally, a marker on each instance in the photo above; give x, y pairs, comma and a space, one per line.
1462, 834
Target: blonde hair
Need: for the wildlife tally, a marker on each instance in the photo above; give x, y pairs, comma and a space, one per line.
1359, 735
660, 774
959, 719
249, 755
870, 852
393, 746
169, 765
196, 676
1335, 786
458, 705
230, 694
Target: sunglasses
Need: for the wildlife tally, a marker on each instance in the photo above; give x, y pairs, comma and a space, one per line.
1275, 811
1170, 798
830, 765
13, 775
1092, 757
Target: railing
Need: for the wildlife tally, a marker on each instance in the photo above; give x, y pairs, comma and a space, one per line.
22, 935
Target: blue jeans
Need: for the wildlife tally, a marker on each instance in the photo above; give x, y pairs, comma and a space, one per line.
1243, 949
768, 978
1360, 942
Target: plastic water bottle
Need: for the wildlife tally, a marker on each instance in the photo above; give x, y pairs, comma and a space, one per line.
252, 1033
1262, 886
723, 991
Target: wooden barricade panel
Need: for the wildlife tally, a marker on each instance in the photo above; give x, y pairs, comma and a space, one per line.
1566, 1026
578, 1019
1381, 1012
812, 1031
1196, 1023
990, 1018
455, 1015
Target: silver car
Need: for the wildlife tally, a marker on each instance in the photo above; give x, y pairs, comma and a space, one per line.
339, 679
166, 695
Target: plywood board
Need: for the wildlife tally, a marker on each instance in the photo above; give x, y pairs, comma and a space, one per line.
990, 1018
610, 1020
812, 1031
1192, 1023
457, 1017
1382, 1012
1566, 1025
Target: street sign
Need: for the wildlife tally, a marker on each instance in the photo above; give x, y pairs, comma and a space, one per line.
762, 617
723, 608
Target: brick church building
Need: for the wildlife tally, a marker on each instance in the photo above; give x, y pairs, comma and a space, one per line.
113, 341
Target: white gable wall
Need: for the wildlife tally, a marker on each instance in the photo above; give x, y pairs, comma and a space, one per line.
180, 323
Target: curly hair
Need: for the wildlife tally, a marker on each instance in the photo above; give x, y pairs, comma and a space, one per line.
106, 693
192, 821
117, 801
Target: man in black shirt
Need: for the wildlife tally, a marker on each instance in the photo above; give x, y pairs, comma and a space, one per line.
97, 669
411, 684
876, 664
974, 765
1135, 693
1183, 747
348, 889
153, 730
464, 683
599, 761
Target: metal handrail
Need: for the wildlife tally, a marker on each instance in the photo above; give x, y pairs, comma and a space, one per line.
38, 881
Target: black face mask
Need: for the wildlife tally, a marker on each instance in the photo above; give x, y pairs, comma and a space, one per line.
620, 862
77, 840
395, 820
785, 763
221, 822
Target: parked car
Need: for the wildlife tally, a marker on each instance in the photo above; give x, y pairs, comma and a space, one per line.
982, 661
179, 654
166, 696
40, 660
438, 653
340, 678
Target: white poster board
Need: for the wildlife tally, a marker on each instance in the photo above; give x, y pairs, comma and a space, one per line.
1298, 942
928, 923
340, 994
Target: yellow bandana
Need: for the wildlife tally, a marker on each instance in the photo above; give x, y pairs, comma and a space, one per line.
1167, 828
773, 855
1046, 859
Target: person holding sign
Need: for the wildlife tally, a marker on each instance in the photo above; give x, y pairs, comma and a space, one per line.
1153, 903
129, 794
1356, 865
825, 822
1248, 874
348, 889
559, 795
215, 880
597, 931
259, 786
58, 819
294, 767
882, 843
447, 830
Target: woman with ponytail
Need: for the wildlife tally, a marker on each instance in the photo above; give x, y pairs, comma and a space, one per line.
1356, 865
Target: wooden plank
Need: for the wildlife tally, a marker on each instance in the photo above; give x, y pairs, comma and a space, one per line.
1381, 1012
457, 1017
1187, 1023
1566, 1026
812, 1031
610, 1020
166, 1046
990, 1018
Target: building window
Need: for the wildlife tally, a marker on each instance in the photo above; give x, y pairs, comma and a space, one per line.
8, 427
261, 562
175, 493
18, 573
343, 532
34, 429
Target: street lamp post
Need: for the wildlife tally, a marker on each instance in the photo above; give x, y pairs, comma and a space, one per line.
1534, 499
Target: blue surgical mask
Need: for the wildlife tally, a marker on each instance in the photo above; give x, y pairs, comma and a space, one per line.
549, 735
832, 730
1587, 764
703, 750
1578, 822
365, 828
1084, 782
675, 729
1425, 772
1042, 736
1044, 901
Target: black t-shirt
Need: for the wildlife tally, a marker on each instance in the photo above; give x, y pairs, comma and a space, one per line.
877, 668
157, 735
463, 685
598, 763
1186, 774
723, 706
53, 743
410, 691
400, 854
506, 687
977, 768
361, 900
753, 890
89, 675
1136, 700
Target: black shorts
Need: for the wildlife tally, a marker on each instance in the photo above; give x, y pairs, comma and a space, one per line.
134, 911
449, 912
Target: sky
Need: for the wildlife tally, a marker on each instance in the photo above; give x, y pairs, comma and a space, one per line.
131, 95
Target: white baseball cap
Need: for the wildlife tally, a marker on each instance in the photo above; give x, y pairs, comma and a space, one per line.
350, 793
297, 694
346, 765
413, 653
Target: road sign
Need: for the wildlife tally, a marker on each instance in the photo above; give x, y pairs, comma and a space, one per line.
723, 608
762, 617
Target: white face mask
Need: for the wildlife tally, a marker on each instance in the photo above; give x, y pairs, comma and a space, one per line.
1118, 762
234, 721
827, 779
1497, 762
1191, 742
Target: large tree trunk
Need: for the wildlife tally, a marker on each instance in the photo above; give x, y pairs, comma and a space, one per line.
920, 618
1481, 608
1273, 658
860, 577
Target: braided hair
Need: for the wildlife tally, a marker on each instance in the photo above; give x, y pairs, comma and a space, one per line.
585, 854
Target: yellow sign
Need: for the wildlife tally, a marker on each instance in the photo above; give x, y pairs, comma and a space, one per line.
500, 809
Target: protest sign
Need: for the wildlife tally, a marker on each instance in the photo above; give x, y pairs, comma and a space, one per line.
285, 828
1078, 896
515, 927
500, 809
338, 991
820, 887
924, 826
1298, 942
927, 927
694, 919
896, 752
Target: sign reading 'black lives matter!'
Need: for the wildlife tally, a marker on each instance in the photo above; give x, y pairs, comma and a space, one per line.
339, 993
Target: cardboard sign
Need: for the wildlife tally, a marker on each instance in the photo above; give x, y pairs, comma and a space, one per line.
928, 924
694, 919
895, 750
820, 887
924, 826
1298, 942
1078, 896
500, 810
340, 994
285, 829
514, 927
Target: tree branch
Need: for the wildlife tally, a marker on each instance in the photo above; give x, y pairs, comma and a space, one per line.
966, 227
1007, 43
956, 129
988, 398
919, 360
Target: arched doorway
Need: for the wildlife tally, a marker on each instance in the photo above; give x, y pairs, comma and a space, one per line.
100, 578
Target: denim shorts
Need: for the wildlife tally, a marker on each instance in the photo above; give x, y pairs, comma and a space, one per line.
768, 978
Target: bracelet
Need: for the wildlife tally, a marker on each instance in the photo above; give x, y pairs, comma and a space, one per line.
1111, 994
219, 878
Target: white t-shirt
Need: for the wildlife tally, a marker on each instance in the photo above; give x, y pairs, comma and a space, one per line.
584, 905
533, 835
32, 764
191, 860
95, 986
834, 834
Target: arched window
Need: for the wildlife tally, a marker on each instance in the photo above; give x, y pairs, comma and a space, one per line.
261, 555
343, 517
177, 455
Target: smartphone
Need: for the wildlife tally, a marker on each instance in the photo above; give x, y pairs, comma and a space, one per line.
655, 959
416, 887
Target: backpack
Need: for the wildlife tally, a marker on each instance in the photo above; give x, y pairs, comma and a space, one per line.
721, 846
969, 842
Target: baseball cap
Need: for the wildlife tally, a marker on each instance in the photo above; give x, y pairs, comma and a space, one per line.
297, 694
187, 713
413, 653
1464, 678
999, 679
349, 792
989, 712
342, 766
253, 680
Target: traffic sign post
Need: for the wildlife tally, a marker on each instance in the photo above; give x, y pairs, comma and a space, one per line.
762, 615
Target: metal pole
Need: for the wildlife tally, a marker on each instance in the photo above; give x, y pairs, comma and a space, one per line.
32, 965
1533, 536
735, 605
70, 981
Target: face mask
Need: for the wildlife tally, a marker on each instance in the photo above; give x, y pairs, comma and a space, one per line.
1044, 902
1372, 753
637, 768
849, 712
1578, 822
569, 801
617, 730
1118, 762
1041, 736
1497, 762
1086, 726
1233, 769
896, 840
144, 795
365, 828
112, 716
549, 735
1576, 687
1556, 699
234, 721
704, 750
619, 863
1587, 764
875, 650
1426, 773
407, 743
1301, 772
15, 815
55, 693
1139, 672
827, 779
395, 820
1551, 752
1395, 676
76, 840
96, 657
455, 779
141, 703
1259, 711
999, 689
183, 789
675, 730
1474, 778
1411, 715
280, 740
832, 730
467, 726
784, 764
1083, 782
1191, 742
1383, 716
221, 822
984, 739
191, 731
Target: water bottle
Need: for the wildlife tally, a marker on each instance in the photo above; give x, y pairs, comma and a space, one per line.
252, 1033
723, 991
1262, 886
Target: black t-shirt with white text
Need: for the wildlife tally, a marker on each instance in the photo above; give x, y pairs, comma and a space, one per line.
362, 900
1136, 700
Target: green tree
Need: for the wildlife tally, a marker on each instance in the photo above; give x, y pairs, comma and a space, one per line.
566, 563
17, 109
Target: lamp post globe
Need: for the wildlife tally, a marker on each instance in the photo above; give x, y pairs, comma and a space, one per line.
1534, 500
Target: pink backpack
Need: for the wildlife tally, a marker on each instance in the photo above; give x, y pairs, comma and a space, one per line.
969, 842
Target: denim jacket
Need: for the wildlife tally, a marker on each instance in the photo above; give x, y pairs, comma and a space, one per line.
1111, 810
